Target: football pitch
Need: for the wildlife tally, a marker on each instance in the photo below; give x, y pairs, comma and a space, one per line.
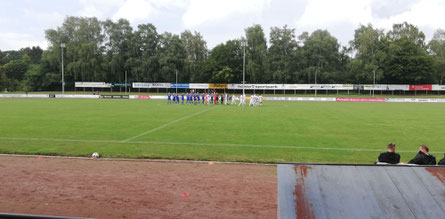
310, 132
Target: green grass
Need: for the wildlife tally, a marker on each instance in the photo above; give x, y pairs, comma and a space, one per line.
272, 133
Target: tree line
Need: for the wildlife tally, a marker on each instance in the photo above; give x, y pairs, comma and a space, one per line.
104, 50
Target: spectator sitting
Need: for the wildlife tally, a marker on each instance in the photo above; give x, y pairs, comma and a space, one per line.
442, 162
390, 156
423, 157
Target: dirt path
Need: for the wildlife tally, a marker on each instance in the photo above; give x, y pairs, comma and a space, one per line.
136, 189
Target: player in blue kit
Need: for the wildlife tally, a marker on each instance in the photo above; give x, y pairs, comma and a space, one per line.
203, 95
198, 100
182, 98
169, 98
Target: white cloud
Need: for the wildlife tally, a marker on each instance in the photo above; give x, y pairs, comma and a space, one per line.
201, 11
135, 10
322, 13
342, 17
99, 8
47, 20
427, 14
219, 20
14, 41
139, 10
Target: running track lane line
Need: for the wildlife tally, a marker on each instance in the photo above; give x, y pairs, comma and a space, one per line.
203, 144
165, 125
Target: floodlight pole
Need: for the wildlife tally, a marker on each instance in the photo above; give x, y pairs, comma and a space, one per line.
125, 82
62, 45
244, 65
315, 86
176, 81
373, 90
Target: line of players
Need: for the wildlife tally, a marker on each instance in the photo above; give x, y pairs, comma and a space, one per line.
213, 98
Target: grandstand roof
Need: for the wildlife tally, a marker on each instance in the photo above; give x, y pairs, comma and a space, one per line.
360, 191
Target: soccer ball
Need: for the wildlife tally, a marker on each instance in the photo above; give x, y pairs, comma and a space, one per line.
95, 155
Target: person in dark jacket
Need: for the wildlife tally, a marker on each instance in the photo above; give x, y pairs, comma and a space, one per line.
442, 162
390, 156
423, 157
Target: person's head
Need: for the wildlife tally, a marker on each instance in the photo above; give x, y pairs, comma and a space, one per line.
391, 147
424, 148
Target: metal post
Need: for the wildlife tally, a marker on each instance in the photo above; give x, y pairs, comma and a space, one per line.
244, 64
63, 77
176, 81
315, 86
125, 82
373, 90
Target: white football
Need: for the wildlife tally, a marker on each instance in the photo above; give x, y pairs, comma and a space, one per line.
95, 155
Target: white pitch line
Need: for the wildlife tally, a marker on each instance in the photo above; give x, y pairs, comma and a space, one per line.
165, 125
205, 144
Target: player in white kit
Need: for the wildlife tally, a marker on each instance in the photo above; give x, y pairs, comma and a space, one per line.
251, 100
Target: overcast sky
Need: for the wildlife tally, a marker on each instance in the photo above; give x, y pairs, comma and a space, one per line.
22, 22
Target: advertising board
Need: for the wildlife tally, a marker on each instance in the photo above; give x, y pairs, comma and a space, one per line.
438, 87
302, 99
414, 100
420, 87
24, 96
360, 100
199, 86
140, 85
386, 87
114, 96
150, 85
92, 84
144, 97
180, 85
74, 96
159, 85
218, 86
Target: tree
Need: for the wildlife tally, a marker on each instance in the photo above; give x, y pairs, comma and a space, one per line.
34, 53
3, 59
15, 69
370, 47
84, 51
144, 58
196, 54
406, 31
117, 48
33, 78
223, 76
257, 68
407, 63
407, 60
49, 72
172, 56
4, 82
13, 73
283, 56
437, 50
322, 57
224, 56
